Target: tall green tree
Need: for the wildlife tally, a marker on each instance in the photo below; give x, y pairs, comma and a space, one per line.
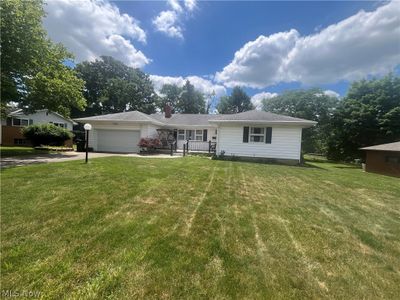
368, 115
311, 104
33, 70
111, 86
171, 95
191, 100
184, 100
237, 102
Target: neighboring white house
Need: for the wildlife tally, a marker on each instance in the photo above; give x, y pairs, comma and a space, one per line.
10, 127
253, 133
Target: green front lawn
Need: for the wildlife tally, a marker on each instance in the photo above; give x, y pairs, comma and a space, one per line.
19, 151
127, 228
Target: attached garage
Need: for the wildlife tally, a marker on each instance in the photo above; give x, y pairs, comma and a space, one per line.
120, 132
125, 141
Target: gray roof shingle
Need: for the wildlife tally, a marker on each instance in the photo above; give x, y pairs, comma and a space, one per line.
185, 119
260, 116
253, 116
384, 147
131, 116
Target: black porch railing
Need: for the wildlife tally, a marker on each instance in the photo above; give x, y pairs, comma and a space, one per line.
199, 146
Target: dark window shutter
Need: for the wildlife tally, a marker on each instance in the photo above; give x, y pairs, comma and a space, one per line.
30, 121
9, 121
245, 134
268, 135
205, 135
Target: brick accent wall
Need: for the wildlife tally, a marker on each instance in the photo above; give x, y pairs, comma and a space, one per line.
10, 133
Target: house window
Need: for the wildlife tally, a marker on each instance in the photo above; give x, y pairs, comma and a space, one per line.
199, 135
20, 122
392, 159
257, 134
181, 135
62, 125
19, 142
190, 134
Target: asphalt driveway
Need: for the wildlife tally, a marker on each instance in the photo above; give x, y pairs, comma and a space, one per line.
66, 156
48, 158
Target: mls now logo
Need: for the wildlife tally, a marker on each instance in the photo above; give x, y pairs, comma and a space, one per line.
19, 294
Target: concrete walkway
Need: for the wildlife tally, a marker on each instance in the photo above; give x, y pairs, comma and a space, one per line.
67, 156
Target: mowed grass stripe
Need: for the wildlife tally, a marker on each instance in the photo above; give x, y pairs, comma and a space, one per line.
118, 228
304, 222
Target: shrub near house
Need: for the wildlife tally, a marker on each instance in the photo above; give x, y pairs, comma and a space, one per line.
149, 144
46, 134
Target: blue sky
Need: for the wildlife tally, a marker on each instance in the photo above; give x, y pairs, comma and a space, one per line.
266, 47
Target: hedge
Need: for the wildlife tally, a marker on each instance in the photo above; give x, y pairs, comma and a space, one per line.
46, 134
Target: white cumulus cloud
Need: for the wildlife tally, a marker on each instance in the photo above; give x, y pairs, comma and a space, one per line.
258, 98
166, 22
332, 93
175, 5
205, 86
366, 43
169, 21
259, 63
190, 4
92, 28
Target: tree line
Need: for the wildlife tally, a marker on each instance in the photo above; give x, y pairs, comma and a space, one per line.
368, 114
36, 73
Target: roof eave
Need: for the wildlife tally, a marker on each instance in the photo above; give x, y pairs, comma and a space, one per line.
20, 112
300, 123
188, 125
83, 120
383, 150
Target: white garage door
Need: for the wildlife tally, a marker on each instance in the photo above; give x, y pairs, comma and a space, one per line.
118, 140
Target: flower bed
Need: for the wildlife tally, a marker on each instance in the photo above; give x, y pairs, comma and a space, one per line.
148, 145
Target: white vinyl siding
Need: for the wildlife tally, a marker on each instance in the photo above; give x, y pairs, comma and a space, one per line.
286, 143
149, 131
43, 117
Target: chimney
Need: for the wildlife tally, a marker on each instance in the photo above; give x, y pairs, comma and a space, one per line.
167, 110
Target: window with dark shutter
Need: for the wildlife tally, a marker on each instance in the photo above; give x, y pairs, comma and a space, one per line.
268, 135
205, 135
30, 121
245, 134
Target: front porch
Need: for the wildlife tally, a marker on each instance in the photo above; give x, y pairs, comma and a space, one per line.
185, 140
199, 146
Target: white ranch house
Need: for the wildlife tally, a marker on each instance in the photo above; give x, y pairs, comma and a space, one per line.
253, 133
